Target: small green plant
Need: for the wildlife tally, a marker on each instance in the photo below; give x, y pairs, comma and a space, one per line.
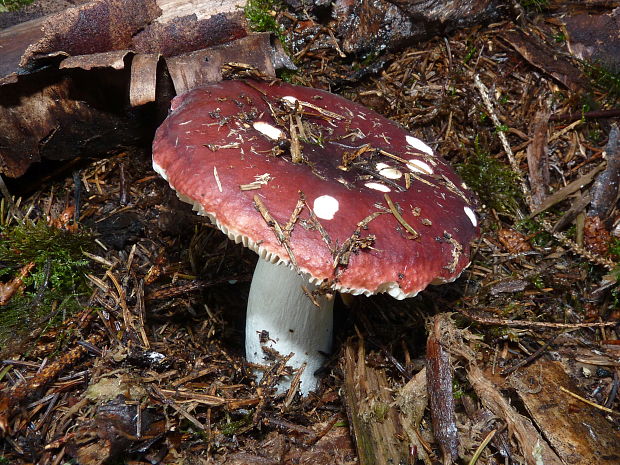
13, 5
603, 79
501, 128
261, 15
471, 52
535, 232
534, 5
55, 282
559, 38
231, 427
494, 182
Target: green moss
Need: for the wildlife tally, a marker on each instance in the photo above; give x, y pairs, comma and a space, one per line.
603, 79
535, 231
458, 390
13, 5
614, 248
287, 75
231, 427
55, 283
494, 182
261, 15
380, 411
534, 5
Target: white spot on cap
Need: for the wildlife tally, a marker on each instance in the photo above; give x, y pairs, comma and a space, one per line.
471, 215
325, 207
290, 100
378, 187
419, 166
268, 130
390, 173
387, 171
418, 144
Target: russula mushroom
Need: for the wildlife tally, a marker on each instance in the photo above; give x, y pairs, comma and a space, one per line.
331, 195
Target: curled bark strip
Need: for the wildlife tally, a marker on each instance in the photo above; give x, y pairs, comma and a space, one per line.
439, 385
605, 187
537, 158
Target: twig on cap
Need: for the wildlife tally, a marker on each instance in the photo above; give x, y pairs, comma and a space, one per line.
217, 179
355, 242
290, 225
399, 217
277, 229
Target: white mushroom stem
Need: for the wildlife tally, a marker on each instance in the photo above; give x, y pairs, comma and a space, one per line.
281, 316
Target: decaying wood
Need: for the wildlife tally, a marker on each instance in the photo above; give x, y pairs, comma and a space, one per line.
374, 420
205, 66
128, 47
532, 446
366, 26
412, 400
486, 418
593, 38
570, 188
441, 399
60, 116
578, 433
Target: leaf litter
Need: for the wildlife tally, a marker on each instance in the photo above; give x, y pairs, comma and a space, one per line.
149, 367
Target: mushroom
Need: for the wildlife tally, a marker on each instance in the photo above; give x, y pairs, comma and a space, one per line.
330, 195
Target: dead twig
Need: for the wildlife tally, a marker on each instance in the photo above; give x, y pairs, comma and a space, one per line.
533, 324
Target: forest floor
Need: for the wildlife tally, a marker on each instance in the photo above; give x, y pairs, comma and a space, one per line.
122, 341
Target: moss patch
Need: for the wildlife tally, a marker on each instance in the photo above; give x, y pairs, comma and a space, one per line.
55, 282
494, 182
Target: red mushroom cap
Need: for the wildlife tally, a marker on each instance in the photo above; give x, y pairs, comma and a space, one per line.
368, 208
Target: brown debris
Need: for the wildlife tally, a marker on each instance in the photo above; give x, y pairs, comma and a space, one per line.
596, 236
26, 391
15, 285
519, 305
513, 241
545, 58
531, 444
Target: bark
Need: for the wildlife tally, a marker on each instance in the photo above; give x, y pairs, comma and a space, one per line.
70, 82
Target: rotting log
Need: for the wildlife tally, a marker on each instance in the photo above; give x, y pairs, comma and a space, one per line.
366, 26
374, 420
101, 75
